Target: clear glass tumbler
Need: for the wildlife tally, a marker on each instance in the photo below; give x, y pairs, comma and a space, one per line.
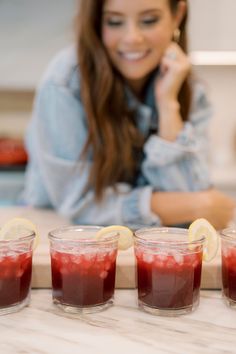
168, 270
15, 273
228, 254
83, 268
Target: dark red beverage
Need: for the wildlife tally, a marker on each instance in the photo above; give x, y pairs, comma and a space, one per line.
83, 280
229, 271
15, 277
168, 281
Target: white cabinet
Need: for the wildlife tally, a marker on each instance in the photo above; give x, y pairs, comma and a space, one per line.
212, 25
212, 31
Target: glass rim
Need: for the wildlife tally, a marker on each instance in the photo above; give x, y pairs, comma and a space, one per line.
29, 237
85, 241
224, 234
165, 230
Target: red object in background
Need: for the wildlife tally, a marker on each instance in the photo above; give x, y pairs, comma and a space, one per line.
12, 152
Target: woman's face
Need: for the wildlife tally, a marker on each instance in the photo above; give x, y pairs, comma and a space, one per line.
136, 33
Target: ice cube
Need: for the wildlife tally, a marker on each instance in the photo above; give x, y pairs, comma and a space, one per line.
148, 258
65, 259
158, 262
195, 263
89, 257
112, 255
101, 256
170, 262
12, 254
138, 253
65, 270
103, 274
75, 258
19, 273
162, 257
178, 258
225, 251
107, 265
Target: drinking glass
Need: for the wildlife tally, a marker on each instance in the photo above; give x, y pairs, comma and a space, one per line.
168, 270
228, 255
15, 272
83, 268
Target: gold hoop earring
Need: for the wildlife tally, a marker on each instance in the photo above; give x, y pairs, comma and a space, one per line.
176, 35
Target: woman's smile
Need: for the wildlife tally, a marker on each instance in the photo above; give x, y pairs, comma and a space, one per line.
134, 56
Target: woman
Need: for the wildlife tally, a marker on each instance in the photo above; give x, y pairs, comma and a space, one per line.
118, 134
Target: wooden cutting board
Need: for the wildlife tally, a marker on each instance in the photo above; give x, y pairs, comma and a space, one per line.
47, 220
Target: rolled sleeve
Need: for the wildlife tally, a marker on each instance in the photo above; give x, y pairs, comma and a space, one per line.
162, 152
181, 165
136, 208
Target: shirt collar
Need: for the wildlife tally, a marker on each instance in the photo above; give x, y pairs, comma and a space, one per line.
146, 112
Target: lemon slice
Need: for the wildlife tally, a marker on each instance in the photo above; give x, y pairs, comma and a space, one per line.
202, 227
18, 227
125, 235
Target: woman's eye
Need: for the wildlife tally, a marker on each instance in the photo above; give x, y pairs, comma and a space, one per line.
150, 21
113, 22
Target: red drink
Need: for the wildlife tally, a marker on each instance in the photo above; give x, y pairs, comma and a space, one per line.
228, 251
15, 277
83, 268
83, 280
168, 270
169, 281
229, 272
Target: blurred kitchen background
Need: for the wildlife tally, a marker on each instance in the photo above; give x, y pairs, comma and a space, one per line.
32, 31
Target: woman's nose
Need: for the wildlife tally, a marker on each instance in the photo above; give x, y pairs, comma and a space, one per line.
133, 34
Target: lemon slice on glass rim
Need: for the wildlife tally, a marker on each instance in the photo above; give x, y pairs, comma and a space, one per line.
202, 227
125, 240
18, 227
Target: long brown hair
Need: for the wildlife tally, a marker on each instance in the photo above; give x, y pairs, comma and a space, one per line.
185, 94
112, 134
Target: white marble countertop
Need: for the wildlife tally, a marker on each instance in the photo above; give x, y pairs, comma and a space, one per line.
42, 328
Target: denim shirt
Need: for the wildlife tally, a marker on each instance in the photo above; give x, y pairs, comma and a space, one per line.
56, 177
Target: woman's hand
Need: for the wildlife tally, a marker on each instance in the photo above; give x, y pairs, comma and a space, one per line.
216, 207
174, 69
175, 208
